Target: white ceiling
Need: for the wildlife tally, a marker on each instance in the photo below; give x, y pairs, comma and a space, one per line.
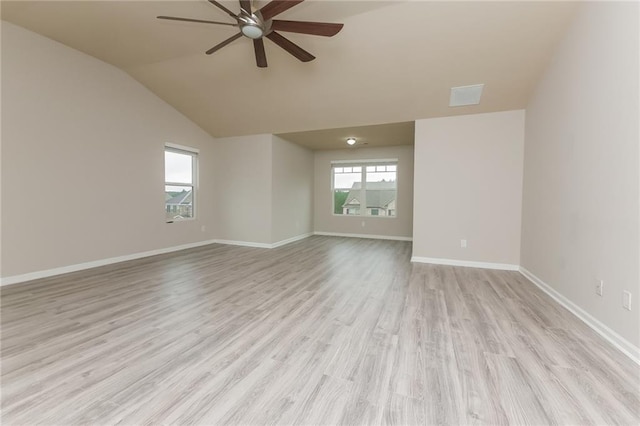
394, 61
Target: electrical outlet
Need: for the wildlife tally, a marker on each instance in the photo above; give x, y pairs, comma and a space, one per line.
363, 223
463, 243
599, 287
203, 228
626, 300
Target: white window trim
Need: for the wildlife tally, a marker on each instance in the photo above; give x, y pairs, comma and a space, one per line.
195, 170
356, 163
360, 162
175, 146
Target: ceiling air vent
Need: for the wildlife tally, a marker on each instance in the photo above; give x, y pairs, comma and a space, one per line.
465, 95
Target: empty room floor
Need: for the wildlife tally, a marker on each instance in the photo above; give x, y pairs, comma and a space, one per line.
322, 331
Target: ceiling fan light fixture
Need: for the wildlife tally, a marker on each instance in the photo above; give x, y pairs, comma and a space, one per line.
351, 141
252, 31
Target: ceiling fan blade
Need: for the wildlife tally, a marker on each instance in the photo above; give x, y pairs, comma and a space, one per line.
175, 18
261, 57
276, 7
224, 43
314, 28
219, 6
290, 47
246, 6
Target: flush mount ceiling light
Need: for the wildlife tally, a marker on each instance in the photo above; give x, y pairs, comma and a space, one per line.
351, 141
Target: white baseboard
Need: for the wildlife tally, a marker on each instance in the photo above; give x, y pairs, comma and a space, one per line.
374, 237
622, 344
264, 245
94, 264
243, 243
15, 279
291, 240
465, 263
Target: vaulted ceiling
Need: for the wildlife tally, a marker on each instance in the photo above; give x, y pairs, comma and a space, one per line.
394, 61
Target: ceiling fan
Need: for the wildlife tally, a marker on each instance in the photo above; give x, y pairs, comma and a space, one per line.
259, 24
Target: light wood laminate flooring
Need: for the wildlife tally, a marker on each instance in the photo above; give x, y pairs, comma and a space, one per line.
322, 331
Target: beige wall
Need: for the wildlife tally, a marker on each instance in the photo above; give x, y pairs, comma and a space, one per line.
83, 166
468, 185
292, 190
326, 221
83, 160
266, 185
581, 189
243, 179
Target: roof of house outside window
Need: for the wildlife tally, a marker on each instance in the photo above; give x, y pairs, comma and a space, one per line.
379, 194
183, 198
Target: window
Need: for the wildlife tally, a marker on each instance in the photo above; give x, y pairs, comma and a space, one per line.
180, 172
364, 188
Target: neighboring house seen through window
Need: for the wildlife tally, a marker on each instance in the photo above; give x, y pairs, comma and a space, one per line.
365, 188
180, 171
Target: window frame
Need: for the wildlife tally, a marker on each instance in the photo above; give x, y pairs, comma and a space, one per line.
193, 153
363, 164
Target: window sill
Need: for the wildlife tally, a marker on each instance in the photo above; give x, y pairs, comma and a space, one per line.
181, 220
357, 216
